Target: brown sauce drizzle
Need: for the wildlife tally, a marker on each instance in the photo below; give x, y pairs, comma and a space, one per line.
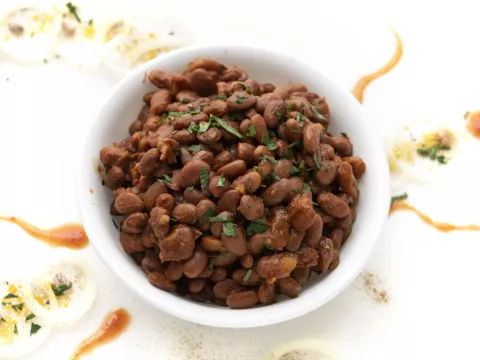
440, 226
359, 88
473, 123
70, 236
113, 325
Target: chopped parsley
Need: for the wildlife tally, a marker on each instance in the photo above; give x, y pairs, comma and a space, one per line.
306, 187
295, 143
193, 128
219, 218
10, 296
30, 317
295, 131
34, 329
222, 97
73, 10
15, 330
317, 114
226, 126
275, 176
229, 229
248, 89
394, 199
166, 178
432, 152
241, 99
204, 126
291, 106
208, 215
294, 170
264, 159
247, 275
60, 289
300, 117
191, 188
182, 114
258, 226
319, 164
251, 131
203, 177
221, 181
194, 148
90, 22
17, 307
211, 264
269, 142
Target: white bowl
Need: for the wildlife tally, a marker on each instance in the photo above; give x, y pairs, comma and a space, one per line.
266, 66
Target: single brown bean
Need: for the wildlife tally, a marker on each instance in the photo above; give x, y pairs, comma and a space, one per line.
358, 165
135, 223
159, 78
274, 112
300, 212
325, 253
242, 299
246, 277
207, 64
190, 173
206, 273
166, 201
112, 155
346, 179
196, 285
196, 263
147, 97
151, 262
219, 273
230, 74
333, 205
245, 152
314, 233
131, 242
135, 126
222, 159
127, 203
148, 237
210, 137
224, 288
179, 244
250, 182
283, 168
236, 244
280, 92
247, 261
185, 213
282, 148
326, 175
306, 257
152, 194
148, 162
158, 279
240, 101
342, 145
204, 155
276, 193
252, 207
174, 270
295, 240
267, 293
296, 184
245, 127
115, 177
311, 137
203, 81
256, 243
202, 209
289, 287
336, 235
229, 201
335, 260
217, 108
186, 96
218, 186
277, 266
159, 101
193, 196
300, 275
159, 222
260, 126
260, 152
224, 259
211, 244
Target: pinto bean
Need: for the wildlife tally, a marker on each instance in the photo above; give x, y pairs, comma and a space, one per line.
240, 101
236, 244
211, 244
127, 203
276, 193
346, 178
131, 242
242, 299
112, 155
274, 111
300, 212
260, 126
216, 108
152, 193
224, 288
185, 213
245, 152
218, 186
252, 207
267, 293
314, 232
278, 234
289, 287
174, 270
196, 285
301, 275
160, 280
333, 205
246, 277
203, 81
165, 201
293, 130
229, 201
342, 145
224, 259
306, 257
178, 244
257, 243
115, 177
190, 173
217, 226
325, 253
326, 175
358, 165
219, 273
210, 137
283, 168
193, 196
250, 182
261, 152
222, 159
159, 101
311, 137
135, 223
196, 263
276, 266
294, 240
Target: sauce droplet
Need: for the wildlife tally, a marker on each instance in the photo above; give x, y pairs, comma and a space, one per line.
113, 325
440, 226
71, 236
359, 88
473, 123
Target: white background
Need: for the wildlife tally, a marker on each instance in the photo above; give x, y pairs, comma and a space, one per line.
431, 278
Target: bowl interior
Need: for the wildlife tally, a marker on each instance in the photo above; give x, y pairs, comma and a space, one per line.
122, 109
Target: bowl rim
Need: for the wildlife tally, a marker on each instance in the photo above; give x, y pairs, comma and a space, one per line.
216, 316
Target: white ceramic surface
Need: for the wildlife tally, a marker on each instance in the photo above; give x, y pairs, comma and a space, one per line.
122, 108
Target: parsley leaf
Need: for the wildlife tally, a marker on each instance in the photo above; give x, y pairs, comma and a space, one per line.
264, 159
319, 164
251, 131
182, 114
208, 215
394, 199
306, 187
432, 152
60, 289
10, 296
317, 114
219, 218
166, 178
291, 106
73, 10
30, 317
269, 142
191, 188
248, 89
17, 307
15, 330
300, 117
221, 181
226, 126
34, 329
258, 226
203, 177
204, 126
275, 176
193, 128
229, 229
211, 264
194, 148
241, 99
294, 170
247, 275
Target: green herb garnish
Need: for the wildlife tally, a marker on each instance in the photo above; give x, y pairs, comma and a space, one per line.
241, 99
60, 289
219, 218
317, 114
221, 181
258, 226
247, 275
295, 131
394, 199
222, 97
204, 126
291, 106
344, 135
251, 131
229, 229
432, 152
193, 128
211, 264
275, 176
226, 126
194, 148
17, 307
300, 117
30, 317
208, 215
248, 89
294, 170
90, 22
306, 187
264, 159
15, 330
269, 142
73, 10
10, 296
182, 114
319, 164
34, 329
191, 188
204, 177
